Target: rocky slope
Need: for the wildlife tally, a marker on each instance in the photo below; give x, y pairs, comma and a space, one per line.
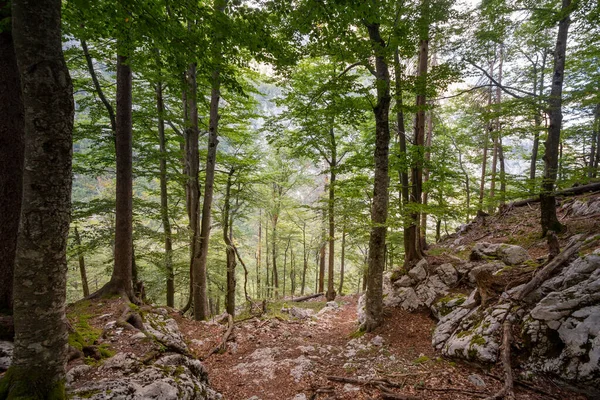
470, 284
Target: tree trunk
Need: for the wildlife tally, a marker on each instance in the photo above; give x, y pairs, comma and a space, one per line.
258, 254
201, 254
330, 295
413, 252
192, 166
379, 210
342, 262
549, 221
229, 249
40, 352
275, 278
121, 280
164, 199
304, 258
11, 163
321, 280
267, 258
84, 282
423, 230
537, 117
284, 264
594, 150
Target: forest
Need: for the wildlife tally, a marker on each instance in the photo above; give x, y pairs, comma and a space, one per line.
240, 162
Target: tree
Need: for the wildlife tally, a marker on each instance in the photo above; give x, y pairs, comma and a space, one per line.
39, 359
549, 220
11, 158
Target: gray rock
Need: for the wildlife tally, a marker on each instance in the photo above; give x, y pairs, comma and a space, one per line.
377, 341
299, 396
126, 362
447, 274
332, 304
165, 330
404, 281
76, 372
301, 313
171, 377
417, 273
6, 353
491, 267
476, 380
507, 253
581, 208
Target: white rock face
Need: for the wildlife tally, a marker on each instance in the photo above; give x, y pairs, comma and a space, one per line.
561, 326
171, 377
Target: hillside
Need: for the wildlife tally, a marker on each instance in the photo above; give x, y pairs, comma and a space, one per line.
313, 350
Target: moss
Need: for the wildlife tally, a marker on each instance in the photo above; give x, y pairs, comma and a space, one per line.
106, 351
84, 334
478, 340
472, 354
397, 274
30, 384
421, 360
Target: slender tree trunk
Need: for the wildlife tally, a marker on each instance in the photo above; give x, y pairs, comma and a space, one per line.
192, 166
164, 199
429, 137
284, 264
11, 163
321, 273
201, 254
259, 254
593, 148
413, 252
330, 295
597, 128
275, 278
549, 221
229, 249
84, 282
537, 118
304, 258
267, 258
486, 141
342, 262
121, 279
40, 352
379, 210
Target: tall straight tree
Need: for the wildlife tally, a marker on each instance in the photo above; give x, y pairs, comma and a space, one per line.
413, 251
549, 221
38, 366
200, 256
379, 207
11, 160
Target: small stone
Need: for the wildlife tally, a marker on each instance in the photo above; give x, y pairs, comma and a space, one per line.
351, 388
299, 396
110, 325
377, 341
476, 380
139, 336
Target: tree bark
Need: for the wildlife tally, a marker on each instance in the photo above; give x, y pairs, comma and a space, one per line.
594, 150
413, 252
200, 256
229, 249
38, 366
342, 262
379, 210
537, 117
164, 198
84, 282
429, 137
304, 258
11, 163
121, 279
330, 295
549, 221
258, 254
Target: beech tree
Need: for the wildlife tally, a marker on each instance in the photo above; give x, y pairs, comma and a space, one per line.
38, 366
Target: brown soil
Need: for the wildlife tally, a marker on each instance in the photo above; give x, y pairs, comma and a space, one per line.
406, 358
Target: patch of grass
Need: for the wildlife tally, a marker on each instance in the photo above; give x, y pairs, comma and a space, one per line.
421, 360
357, 334
477, 339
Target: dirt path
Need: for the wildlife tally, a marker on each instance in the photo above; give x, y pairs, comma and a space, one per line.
279, 359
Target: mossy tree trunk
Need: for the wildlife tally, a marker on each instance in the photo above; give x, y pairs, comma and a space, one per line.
38, 367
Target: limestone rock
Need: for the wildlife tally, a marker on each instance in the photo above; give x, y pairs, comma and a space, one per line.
447, 274
419, 271
165, 330
301, 313
491, 267
76, 372
507, 253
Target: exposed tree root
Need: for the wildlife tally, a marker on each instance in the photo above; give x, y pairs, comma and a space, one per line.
221, 346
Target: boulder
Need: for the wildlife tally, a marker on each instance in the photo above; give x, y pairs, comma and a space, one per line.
491, 267
447, 274
165, 330
507, 253
301, 313
418, 272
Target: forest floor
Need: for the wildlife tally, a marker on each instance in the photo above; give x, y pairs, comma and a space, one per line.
280, 358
